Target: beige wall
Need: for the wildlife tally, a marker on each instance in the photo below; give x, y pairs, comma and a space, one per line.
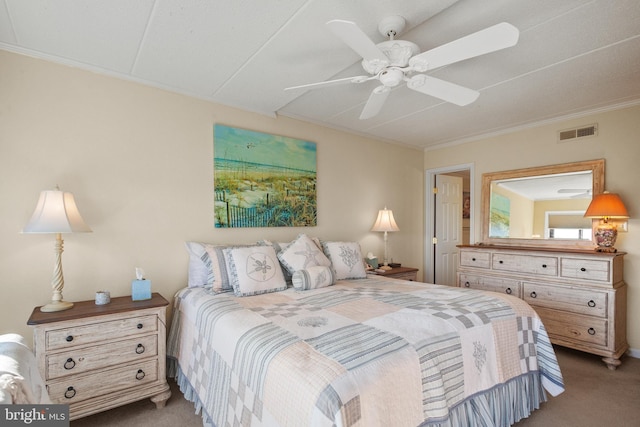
617, 142
139, 162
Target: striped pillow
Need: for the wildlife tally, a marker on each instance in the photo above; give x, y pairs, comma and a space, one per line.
319, 276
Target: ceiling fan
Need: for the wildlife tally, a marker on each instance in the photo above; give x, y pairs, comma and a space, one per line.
577, 193
395, 61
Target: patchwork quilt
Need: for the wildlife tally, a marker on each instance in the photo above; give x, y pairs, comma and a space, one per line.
366, 352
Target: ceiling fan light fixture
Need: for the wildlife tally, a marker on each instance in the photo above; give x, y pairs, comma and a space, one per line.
399, 51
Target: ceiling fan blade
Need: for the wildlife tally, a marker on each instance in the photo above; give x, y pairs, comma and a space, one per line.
357, 40
375, 102
573, 190
499, 36
356, 79
444, 90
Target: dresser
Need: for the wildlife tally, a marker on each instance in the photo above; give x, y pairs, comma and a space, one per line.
580, 295
96, 357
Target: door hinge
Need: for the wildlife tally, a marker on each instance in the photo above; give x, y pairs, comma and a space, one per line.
435, 190
434, 240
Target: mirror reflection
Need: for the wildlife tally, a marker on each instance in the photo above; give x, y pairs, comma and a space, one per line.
548, 206
541, 206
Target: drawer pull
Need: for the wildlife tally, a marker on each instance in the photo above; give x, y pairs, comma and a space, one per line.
69, 364
139, 326
591, 303
467, 284
501, 262
509, 291
544, 265
70, 393
140, 374
69, 338
583, 269
473, 259
533, 295
140, 349
591, 331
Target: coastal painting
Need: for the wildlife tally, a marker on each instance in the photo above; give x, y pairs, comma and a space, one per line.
263, 180
500, 212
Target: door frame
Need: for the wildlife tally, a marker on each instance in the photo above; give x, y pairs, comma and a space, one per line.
430, 177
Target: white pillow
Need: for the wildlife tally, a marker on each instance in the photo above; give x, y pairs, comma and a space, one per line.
302, 253
219, 267
346, 259
319, 276
254, 270
200, 273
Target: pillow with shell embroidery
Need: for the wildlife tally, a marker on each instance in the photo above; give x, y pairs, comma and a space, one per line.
346, 259
254, 270
302, 253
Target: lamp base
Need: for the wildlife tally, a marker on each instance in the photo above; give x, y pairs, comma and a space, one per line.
606, 235
56, 306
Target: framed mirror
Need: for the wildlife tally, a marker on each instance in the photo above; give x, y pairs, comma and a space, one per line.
541, 206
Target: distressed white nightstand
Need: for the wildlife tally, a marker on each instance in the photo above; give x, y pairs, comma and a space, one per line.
96, 357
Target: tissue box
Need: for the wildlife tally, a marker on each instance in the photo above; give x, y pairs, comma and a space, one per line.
140, 290
373, 262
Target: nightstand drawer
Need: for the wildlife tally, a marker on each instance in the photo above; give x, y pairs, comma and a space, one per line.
580, 301
76, 361
99, 332
585, 269
84, 387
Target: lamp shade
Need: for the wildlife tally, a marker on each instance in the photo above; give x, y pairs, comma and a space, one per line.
607, 205
56, 212
385, 221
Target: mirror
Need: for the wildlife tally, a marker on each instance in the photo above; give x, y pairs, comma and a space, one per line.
541, 206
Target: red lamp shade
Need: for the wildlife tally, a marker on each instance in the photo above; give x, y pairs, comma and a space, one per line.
606, 205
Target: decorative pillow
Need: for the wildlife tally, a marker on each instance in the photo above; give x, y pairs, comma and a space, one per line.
254, 270
346, 259
278, 247
200, 273
219, 267
302, 253
319, 276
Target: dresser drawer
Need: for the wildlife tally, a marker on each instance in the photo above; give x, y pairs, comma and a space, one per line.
82, 387
573, 327
488, 283
574, 300
79, 360
99, 332
589, 269
475, 259
531, 264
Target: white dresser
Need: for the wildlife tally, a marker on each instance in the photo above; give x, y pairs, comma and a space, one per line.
96, 357
580, 295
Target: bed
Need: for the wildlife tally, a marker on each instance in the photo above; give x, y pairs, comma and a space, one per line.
363, 352
20, 380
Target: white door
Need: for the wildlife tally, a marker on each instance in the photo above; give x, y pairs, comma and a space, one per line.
448, 228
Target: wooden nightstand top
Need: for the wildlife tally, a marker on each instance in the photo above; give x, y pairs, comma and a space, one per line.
89, 308
397, 270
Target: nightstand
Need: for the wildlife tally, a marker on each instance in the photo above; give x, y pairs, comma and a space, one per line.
404, 273
96, 357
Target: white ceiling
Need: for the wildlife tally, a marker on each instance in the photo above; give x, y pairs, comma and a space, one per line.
573, 57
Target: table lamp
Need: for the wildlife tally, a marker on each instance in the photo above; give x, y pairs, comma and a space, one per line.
56, 212
386, 223
606, 206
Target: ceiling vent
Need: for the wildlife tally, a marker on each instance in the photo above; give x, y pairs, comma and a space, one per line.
581, 132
